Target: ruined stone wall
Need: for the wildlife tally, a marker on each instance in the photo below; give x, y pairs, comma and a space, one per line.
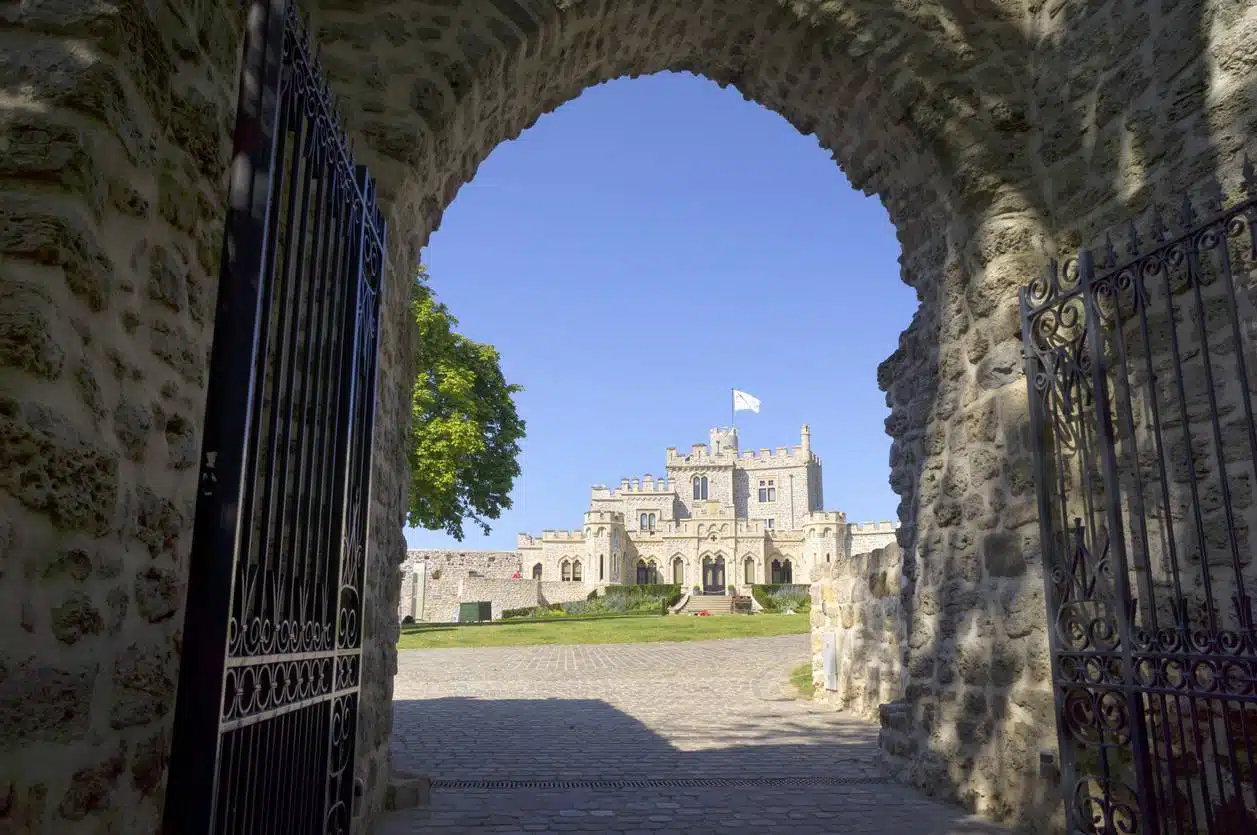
857, 600
513, 594
446, 573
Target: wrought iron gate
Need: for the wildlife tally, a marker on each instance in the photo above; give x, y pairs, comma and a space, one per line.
268, 687
1141, 405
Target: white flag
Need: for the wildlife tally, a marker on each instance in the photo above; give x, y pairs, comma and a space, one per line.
743, 401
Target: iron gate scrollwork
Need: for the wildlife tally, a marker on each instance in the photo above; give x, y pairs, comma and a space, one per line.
1141, 402
265, 719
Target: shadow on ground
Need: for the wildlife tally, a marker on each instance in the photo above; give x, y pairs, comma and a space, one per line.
551, 764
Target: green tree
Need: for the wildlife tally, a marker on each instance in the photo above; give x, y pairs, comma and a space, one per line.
465, 430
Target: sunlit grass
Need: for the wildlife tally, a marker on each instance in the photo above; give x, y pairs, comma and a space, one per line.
801, 679
615, 629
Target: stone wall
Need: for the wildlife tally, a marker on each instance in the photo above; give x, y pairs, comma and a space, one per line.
858, 602
445, 572
863, 537
517, 594
993, 141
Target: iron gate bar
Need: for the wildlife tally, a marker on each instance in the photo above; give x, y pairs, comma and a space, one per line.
1116, 539
270, 674
1107, 649
192, 781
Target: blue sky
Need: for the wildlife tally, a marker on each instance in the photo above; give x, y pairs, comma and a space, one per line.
644, 249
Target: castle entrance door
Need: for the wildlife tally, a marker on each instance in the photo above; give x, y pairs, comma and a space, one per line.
713, 575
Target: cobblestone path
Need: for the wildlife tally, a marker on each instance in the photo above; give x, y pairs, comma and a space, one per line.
696, 737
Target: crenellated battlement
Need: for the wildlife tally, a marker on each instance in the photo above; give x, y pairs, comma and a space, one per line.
577, 535
604, 517
873, 527
795, 456
526, 540
825, 517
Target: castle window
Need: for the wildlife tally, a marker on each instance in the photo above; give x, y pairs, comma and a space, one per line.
651, 521
602, 566
576, 574
782, 572
767, 490
748, 571
678, 571
827, 558
566, 571
770, 523
641, 523
536, 571
704, 482
700, 487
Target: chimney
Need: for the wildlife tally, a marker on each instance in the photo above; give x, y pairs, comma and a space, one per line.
806, 439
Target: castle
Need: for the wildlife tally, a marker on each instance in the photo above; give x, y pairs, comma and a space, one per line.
718, 519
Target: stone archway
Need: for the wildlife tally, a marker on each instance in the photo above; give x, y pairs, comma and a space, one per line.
991, 131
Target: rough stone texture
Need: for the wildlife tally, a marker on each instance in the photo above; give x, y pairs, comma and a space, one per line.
994, 132
858, 602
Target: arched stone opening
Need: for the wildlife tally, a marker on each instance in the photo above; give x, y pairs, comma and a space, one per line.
985, 130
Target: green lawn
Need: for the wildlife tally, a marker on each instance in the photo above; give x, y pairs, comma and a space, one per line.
614, 629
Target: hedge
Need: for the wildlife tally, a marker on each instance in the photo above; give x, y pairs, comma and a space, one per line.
532, 611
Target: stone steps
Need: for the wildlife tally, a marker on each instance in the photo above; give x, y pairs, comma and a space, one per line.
717, 604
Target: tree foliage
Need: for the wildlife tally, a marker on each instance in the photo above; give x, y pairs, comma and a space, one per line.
465, 430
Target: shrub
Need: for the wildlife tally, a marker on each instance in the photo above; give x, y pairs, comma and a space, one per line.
648, 598
550, 611
593, 595
783, 597
583, 607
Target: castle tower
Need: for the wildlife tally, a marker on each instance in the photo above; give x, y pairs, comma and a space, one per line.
806, 439
605, 540
724, 440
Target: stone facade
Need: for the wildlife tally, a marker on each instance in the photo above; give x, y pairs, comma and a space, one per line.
994, 136
756, 514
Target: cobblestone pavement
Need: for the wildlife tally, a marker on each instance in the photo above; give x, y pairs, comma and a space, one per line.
692, 737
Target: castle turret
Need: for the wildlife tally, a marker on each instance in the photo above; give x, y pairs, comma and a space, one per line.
805, 439
724, 440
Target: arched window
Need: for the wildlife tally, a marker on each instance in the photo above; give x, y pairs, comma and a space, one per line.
566, 571
653, 572
642, 522
678, 572
576, 572
748, 571
698, 488
787, 572
704, 484
536, 571
777, 573
827, 558
643, 573
650, 521
602, 566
